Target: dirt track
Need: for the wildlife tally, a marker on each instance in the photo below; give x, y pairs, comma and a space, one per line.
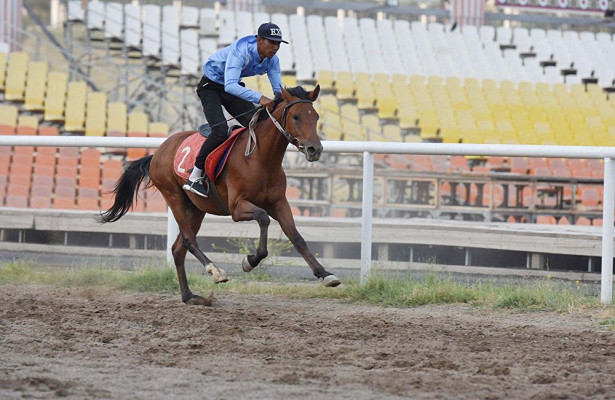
86, 343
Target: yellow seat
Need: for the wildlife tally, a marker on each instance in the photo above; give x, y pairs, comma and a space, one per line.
29, 121
16, 77
75, 107
331, 126
370, 127
407, 113
392, 133
350, 121
265, 85
158, 129
116, 119
55, 96
8, 115
288, 80
344, 85
36, 84
327, 104
96, 114
364, 90
137, 124
325, 79
3, 59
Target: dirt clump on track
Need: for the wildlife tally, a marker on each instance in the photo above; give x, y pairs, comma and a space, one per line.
88, 343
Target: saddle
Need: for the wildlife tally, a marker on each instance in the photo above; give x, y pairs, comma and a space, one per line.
188, 151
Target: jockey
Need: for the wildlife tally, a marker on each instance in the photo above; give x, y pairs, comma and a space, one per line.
221, 86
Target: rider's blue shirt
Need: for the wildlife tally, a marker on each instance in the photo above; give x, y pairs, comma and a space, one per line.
240, 59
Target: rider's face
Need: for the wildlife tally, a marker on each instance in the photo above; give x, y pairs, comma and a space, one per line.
267, 48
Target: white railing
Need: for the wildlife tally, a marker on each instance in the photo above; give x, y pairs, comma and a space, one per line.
368, 149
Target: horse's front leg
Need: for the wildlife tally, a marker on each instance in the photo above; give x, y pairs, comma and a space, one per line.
246, 211
284, 216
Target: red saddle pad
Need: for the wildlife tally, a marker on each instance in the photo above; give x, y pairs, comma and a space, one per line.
189, 150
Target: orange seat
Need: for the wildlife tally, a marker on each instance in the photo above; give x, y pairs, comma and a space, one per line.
292, 192
590, 198
89, 178
26, 130
18, 189
40, 202
519, 165
13, 200
48, 131
546, 219
583, 221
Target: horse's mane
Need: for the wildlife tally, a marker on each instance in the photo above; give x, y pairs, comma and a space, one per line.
297, 91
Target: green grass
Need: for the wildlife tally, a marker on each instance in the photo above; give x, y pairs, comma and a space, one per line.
380, 290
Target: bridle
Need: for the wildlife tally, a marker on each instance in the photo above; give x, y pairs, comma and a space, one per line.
282, 128
251, 145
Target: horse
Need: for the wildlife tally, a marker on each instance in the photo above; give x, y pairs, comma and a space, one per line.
251, 187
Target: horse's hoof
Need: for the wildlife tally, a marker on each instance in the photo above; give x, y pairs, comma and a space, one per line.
330, 281
245, 265
220, 277
196, 300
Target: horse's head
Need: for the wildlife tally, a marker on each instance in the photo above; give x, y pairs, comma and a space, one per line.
299, 119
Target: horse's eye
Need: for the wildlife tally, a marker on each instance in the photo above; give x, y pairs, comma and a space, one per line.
296, 117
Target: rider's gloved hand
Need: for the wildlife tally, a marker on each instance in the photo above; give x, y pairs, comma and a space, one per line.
266, 102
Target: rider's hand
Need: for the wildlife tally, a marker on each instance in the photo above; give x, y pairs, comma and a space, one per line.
266, 102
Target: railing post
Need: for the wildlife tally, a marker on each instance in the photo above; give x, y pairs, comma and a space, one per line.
366, 215
172, 232
608, 205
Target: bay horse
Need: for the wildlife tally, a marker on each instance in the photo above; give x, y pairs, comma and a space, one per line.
251, 187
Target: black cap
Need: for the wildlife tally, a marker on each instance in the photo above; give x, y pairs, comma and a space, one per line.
271, 31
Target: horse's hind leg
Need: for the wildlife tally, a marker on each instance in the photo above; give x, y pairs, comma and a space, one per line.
189, 220
251, 261
179, 256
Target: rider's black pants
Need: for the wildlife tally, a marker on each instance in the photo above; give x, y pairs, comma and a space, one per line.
213, 98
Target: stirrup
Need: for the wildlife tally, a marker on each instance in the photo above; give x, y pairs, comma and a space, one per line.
197, 186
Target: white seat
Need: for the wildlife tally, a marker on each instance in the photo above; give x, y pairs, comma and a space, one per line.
262, 17
318, 42
303, 59
504, 35
390, 47
189, 17
227, 29
407, 49
170, 36
286, 53
207, 47
132, 25
190, 54
207, 22
114, 21
75, 11
487, 33
151, 30
521, 39
352, 36
96, 15
337, 46
245, 26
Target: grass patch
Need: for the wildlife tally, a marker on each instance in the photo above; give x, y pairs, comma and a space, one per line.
530, 295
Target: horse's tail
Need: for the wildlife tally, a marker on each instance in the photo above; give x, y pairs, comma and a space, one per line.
127, 188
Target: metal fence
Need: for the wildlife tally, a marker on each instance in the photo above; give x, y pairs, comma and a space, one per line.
368, 149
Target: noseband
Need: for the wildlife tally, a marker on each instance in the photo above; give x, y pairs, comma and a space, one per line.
282, 128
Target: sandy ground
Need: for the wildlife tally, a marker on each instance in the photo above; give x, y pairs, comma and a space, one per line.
89, 343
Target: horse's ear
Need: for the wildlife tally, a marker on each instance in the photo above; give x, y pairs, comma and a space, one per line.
313, 95
287, 96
